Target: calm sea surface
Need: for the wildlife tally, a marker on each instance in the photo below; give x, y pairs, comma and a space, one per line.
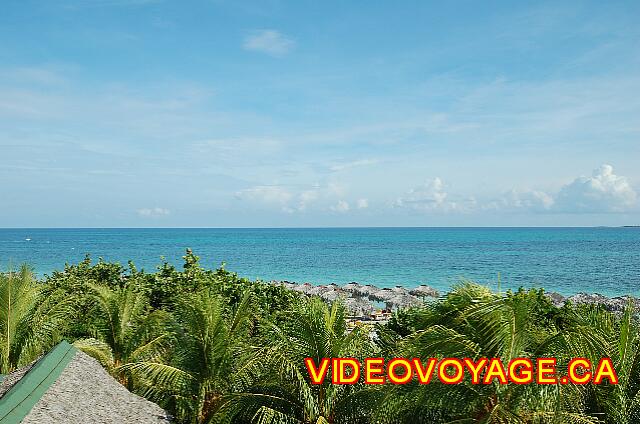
568, 260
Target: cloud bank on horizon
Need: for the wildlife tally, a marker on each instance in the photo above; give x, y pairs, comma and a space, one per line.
152, 113
603, 192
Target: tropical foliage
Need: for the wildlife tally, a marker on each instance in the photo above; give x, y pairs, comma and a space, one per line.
30, 321
123, 328
211, 347
282, 392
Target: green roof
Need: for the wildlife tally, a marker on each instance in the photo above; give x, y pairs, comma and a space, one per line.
21, 398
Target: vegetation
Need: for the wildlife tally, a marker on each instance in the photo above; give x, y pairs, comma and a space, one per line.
282, 392
211, 347
30, 322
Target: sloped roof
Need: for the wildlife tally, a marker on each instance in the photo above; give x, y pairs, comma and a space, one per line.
68, 386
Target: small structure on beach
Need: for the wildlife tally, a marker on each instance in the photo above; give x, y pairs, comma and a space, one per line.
352, 287
402, 301
68, 386
363, 300
425, 291
359, 307
382, 295
303, 288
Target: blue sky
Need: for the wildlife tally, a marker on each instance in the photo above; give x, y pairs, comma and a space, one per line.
212, 113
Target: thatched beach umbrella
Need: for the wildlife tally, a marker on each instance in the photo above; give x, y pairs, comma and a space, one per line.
303, 288
352, 287
402, 301
332, 295
369, 289
556, 298
316, 290
424, 291
400, 290
382, 295
363, 290
286, 284
589, 299
319, 290
358, 306
615, 305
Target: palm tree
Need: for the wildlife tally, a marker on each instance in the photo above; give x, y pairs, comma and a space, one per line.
472, 322
284, 393
30, 322
124, 330
595, 333
205, 363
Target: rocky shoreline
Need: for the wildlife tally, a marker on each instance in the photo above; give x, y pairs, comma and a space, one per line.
365, 299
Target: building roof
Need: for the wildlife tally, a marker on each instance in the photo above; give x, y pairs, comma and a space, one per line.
69, 386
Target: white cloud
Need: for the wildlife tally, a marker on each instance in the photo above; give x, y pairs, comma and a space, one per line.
432, 197
268, 41
335, 190
602, 192
295, 199
529, 200
266, 194
356, 163
306, 198
341, 207
280, 197
153, 212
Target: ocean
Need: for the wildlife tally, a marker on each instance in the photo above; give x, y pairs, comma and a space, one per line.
566, 260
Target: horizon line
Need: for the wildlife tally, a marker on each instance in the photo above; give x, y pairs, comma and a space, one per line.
319, 228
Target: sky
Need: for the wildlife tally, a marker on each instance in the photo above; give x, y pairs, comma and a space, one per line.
143, 113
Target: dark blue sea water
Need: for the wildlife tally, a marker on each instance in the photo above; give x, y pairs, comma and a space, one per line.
568, 260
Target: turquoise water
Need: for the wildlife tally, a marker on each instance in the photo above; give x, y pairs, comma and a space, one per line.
568, 260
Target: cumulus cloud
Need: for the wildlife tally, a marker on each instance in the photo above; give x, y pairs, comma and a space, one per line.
334, 190
268, 41
269, 195
153, 212
430, 194
602, 192
432, 197
280, 197
294, 199
525, 200
341, 207
306, 198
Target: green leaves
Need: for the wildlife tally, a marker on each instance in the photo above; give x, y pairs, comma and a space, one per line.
282, 390
212, 347
31, 320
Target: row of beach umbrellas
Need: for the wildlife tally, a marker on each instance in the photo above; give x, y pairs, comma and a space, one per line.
359, 298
